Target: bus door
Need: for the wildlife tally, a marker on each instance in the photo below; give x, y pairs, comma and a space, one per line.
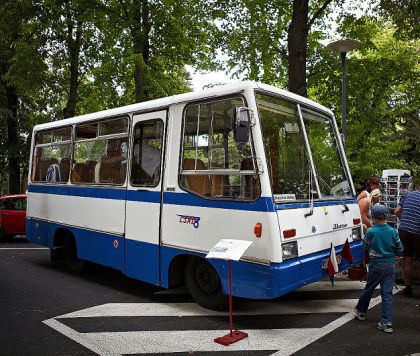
144, 195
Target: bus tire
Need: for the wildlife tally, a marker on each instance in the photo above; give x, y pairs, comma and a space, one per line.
204, 284
70, 252
55, 257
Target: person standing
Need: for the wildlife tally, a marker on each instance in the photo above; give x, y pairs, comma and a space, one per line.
383, 245
365, 206
370, 185
408, 211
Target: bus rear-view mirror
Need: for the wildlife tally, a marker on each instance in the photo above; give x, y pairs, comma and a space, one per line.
241, 125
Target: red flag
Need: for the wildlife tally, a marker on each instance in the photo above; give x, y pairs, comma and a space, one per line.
346, 252
332, 267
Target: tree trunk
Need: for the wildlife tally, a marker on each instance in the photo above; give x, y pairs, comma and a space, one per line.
12, 139
140, 30
297, 41
73, 45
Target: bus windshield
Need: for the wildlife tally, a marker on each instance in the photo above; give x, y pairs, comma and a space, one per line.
290, 171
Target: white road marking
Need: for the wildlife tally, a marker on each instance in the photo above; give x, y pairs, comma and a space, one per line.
78, 337
135, 342
287, 341
193, 309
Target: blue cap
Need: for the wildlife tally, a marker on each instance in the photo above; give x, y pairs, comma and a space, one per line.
378, 211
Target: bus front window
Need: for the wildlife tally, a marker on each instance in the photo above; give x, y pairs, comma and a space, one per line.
290, 172
329, 169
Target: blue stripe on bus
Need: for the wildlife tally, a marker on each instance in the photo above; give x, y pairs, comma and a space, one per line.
263, 204
86, 192
316, 204
146, 196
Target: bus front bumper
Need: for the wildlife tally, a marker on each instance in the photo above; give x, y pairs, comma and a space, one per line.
255, 281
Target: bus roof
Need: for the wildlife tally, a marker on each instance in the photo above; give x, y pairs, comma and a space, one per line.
181, 98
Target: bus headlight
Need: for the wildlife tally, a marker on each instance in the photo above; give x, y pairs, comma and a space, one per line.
356, 233
289, 250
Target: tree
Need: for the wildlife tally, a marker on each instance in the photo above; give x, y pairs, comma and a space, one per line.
268, 41
252, 35
297, 41
21, 69
64, 58
404, 14
157, 39
383, 117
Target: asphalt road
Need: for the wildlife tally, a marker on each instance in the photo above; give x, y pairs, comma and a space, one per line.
50, 311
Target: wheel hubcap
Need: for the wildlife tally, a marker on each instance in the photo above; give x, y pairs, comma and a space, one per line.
206, 278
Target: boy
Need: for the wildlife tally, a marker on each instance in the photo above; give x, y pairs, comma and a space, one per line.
383, 244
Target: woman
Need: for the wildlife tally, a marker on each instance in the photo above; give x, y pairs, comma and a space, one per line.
371, 184
365, 206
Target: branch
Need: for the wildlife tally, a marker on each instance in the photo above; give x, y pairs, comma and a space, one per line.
127, 15
282, 51
318, 13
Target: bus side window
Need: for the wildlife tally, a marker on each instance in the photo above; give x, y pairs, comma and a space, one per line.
100, 152
209, 145
197, 183
113, 164
51, 156
147, 153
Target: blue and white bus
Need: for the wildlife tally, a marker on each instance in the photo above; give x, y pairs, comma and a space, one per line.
150, 188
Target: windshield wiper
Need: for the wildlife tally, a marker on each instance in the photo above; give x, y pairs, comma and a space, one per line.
346, 208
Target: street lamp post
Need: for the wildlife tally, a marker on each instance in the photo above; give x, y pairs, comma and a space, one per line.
342, 47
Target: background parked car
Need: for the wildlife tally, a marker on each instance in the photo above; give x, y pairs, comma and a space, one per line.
12, 216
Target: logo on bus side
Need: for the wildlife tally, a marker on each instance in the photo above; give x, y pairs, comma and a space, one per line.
339, 226
186, 219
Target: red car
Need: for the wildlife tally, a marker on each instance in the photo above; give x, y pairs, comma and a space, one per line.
12, 215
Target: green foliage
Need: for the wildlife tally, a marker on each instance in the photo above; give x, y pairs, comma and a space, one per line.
253, 35
383, 88
404, 14
77, 57
131, 50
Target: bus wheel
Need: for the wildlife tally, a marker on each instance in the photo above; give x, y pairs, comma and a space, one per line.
204, 284
70, 253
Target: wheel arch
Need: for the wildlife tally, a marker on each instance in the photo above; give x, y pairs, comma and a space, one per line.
58, 242
173, 269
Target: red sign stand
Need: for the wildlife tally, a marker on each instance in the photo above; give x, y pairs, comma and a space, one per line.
236, 335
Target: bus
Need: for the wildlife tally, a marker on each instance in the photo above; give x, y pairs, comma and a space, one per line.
148, 189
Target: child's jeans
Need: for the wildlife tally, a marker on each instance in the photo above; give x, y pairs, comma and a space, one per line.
382, 273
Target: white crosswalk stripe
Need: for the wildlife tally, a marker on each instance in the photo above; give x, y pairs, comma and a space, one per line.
144, 340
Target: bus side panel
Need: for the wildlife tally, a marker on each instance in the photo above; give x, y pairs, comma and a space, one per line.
37, 232
94, 246
142, 261
98, 247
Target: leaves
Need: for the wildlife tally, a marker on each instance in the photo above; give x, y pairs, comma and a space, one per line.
91, 55
382, 85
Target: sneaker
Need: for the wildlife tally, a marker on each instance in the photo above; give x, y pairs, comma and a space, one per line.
385, 327
359, 315
408, 291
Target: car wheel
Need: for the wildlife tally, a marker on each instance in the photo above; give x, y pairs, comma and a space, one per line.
204, 284
70, 251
